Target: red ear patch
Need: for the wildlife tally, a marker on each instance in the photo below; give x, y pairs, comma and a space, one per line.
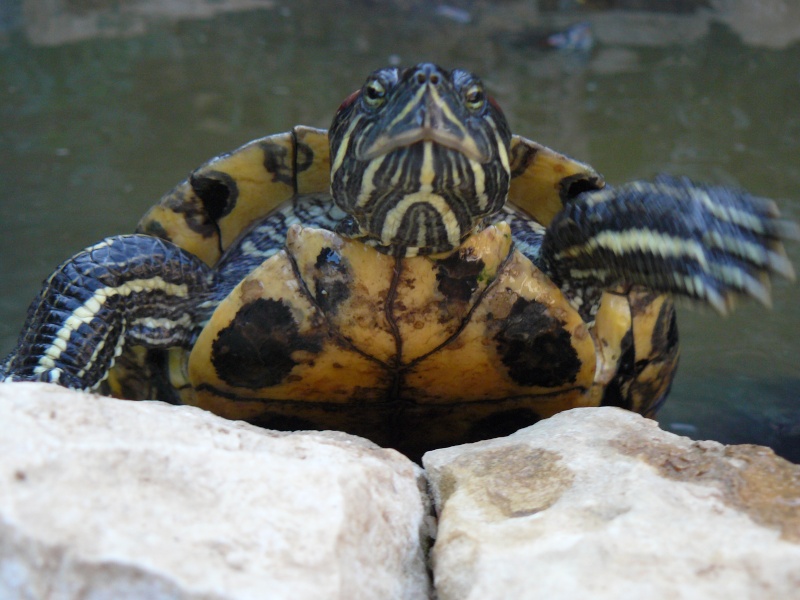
494, 103
349, 100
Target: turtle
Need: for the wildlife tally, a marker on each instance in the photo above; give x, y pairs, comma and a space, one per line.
416, 275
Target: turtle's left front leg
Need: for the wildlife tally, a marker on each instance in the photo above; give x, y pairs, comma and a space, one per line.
643, 240
130, 289
707, 243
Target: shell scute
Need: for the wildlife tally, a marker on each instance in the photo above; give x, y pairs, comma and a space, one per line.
543, 179
206, 213
499, 347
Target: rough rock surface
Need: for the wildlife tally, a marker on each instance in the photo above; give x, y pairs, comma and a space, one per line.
600, 503
107, 499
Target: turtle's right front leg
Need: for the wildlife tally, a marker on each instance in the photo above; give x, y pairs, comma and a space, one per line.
129, 289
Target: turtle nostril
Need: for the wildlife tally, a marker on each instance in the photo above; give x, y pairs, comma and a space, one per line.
428, 73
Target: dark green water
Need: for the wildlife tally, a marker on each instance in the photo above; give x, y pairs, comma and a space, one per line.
94, 130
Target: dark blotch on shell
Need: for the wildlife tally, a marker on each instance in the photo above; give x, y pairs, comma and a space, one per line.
255, 350
617, 391
218, 192
457, 276
536, 348
332, 280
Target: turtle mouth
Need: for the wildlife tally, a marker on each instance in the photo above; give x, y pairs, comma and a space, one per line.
427, 117
387, 143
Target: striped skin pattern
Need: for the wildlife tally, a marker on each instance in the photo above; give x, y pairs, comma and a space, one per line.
393, 165
133, 289
252, 307
706, 243
267, 236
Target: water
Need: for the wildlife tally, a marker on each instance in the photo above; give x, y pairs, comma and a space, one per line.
104, 109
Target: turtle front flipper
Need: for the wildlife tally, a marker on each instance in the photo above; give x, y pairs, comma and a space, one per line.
707, 243
131, 289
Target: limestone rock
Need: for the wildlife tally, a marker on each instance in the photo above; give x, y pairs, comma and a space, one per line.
600, 503
108, 499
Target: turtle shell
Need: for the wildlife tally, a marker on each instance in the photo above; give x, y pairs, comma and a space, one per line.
414, 353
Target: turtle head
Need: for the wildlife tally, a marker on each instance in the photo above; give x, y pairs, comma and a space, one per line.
419, 157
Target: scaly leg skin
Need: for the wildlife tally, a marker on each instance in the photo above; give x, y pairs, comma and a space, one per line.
130, 289
708, 243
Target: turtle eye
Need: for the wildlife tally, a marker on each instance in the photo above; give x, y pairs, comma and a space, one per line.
474, 97
374, 93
